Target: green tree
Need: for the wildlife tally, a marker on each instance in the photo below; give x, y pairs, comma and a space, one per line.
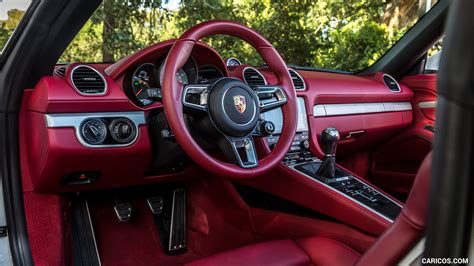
8, 26
336, 34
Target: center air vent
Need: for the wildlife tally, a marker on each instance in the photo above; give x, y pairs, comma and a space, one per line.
298, 81
87, 80
391, 83
254, 78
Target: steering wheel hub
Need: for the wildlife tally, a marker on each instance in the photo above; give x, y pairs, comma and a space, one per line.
233, 107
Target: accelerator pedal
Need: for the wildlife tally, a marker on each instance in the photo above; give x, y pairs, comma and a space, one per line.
170, 220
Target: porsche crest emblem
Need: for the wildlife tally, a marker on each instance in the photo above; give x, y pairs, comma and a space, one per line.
240, 103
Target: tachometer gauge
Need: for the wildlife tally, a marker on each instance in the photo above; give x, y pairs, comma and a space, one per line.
143, 79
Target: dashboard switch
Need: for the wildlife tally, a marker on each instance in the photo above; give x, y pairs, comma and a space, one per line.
122, 130
94, 131
267, 128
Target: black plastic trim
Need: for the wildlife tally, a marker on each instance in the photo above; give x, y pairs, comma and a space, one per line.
84, 245
259, 199
451, 196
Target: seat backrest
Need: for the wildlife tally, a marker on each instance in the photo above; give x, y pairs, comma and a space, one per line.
409, 226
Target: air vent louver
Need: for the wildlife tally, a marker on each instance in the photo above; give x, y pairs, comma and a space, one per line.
87, 80
254, 78
298, 81
60, 71
391, 83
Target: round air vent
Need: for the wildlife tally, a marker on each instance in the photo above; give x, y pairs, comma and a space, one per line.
253, 77
298, 81
391, 83
88, 81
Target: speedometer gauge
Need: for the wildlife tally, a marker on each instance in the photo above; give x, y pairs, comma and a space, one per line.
185, 75
143, 79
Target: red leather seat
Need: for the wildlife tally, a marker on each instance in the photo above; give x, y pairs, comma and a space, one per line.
314, 250
389, 248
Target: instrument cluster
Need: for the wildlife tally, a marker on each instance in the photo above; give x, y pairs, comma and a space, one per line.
143, 84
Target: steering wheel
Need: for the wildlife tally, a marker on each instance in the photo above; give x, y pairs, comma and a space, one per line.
231, 109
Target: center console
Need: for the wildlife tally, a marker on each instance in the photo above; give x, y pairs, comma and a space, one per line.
325, 172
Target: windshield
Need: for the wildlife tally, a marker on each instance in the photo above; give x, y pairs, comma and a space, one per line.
347, 35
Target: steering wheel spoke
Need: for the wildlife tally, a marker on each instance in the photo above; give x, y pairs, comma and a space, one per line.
240, 150
270, 97
195, 98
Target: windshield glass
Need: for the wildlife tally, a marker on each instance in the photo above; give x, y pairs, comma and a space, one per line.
347, 35
11, 12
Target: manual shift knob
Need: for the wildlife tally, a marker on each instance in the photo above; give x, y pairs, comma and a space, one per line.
329, 138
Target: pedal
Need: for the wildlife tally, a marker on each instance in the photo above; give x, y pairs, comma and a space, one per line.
177, 237
155, 204
123, 211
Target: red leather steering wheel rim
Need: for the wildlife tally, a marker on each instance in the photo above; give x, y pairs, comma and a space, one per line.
172, 95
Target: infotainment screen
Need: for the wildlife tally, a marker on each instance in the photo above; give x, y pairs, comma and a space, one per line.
276, 117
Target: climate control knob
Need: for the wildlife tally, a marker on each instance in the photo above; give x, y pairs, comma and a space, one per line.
122, 130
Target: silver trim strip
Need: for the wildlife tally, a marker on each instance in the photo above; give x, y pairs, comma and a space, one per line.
346, 196
260, 73
93, 233
75, 120
298, 74
414, 254
202, 90
98, 73
359, 108
248, 145
428, 104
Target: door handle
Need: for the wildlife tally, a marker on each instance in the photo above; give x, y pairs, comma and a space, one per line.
355, 133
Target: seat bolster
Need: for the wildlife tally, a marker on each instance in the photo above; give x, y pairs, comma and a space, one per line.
325, 251
279, 252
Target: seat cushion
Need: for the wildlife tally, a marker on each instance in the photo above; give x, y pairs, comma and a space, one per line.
308, 251
325, 251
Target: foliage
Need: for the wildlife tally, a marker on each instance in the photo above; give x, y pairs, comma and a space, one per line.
336, 34
7, 26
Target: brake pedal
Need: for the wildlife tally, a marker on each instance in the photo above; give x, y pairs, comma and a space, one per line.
123, 211
155, 204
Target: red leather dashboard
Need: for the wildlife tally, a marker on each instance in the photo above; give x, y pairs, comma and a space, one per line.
54, 94
49, 153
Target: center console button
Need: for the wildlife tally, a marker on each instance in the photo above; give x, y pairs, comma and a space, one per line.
304, 144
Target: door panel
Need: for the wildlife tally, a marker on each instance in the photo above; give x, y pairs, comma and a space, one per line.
394, 165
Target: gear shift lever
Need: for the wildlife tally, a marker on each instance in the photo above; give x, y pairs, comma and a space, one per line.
329, 138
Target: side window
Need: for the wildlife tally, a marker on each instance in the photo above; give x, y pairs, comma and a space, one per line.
434, 55
11, 12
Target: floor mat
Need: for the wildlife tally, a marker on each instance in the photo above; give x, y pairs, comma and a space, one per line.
137, 242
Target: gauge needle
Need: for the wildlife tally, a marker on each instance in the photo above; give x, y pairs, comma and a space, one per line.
139, 92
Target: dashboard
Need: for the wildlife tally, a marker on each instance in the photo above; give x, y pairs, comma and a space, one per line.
108, 117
